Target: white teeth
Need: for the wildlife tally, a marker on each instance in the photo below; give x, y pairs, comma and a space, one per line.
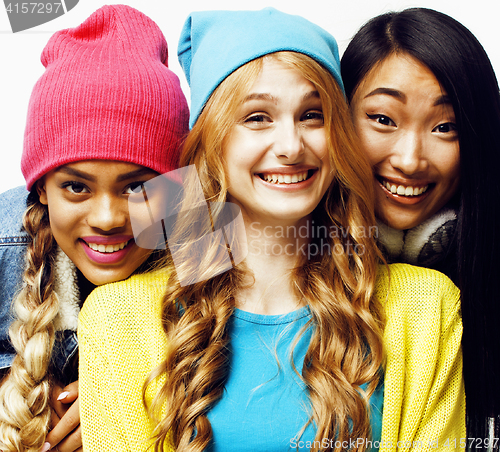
107, 248
285, 178
403, 190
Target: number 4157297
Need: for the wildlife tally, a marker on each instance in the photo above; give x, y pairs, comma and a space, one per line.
33, 8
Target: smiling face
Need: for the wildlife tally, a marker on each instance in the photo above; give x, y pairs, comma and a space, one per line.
407, 128
276, 156
88, 213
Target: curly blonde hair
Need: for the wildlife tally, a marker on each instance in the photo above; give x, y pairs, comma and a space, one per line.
338, 287
25, 391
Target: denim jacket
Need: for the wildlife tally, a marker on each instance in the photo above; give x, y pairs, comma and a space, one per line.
13, 243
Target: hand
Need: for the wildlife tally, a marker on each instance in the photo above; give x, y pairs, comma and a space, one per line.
65, 434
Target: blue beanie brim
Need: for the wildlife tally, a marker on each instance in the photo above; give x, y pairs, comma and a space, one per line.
213, 44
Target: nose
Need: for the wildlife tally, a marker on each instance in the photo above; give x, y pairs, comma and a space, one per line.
108, 213
288, 142
408, 155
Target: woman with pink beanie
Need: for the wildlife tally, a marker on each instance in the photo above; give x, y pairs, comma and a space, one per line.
106, 116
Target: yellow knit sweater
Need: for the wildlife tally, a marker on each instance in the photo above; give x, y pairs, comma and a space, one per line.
121, 340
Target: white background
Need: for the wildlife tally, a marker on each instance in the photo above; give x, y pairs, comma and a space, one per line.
20, 65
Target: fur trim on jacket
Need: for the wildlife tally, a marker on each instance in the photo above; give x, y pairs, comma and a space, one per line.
66, 288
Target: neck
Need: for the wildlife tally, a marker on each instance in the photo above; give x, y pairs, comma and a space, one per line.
274, 251
84, 285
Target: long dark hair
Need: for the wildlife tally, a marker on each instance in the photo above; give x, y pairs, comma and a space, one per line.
463, 69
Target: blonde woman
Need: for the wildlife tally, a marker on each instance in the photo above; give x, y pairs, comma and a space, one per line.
304, 345
100, 124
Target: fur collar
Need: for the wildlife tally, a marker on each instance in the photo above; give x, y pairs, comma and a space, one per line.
423, 245
66, 288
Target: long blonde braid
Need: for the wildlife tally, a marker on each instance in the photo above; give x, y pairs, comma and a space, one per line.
24, 393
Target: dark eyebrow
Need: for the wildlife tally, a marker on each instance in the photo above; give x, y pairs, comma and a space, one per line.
76, 173
389, 92
137, 174
442, 100
122, 177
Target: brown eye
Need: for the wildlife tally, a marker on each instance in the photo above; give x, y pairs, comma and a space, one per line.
381, 119
446, 128
75, 188
316, 116
255, 118
135, 188
257, 121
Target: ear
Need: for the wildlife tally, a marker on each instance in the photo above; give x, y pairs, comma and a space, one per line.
42, 192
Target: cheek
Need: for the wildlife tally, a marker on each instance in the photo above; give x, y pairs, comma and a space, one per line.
61, 219
453, 181
240, 159
232, 166
450, 168
373, 145
316, 142
64, 221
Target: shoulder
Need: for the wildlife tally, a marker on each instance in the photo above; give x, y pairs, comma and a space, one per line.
404, 280
12, 208
13, 197
423, 387
133, 300
13, 243
122, 323
121, 340
417, 293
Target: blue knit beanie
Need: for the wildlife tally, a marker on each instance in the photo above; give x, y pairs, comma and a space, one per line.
213, 44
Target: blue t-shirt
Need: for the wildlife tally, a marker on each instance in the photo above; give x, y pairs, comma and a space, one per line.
265, 405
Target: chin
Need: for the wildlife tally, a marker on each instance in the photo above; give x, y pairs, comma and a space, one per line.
98, 278
399, 222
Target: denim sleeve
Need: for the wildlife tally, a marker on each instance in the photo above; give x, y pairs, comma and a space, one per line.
13, 242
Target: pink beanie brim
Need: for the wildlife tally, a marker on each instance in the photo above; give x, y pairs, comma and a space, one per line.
107, 94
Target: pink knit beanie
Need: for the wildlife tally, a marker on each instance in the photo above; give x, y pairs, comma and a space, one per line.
106, 94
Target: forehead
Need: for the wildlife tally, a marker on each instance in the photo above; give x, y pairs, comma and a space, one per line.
101, 171
98, 164
276, 75
400, 72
